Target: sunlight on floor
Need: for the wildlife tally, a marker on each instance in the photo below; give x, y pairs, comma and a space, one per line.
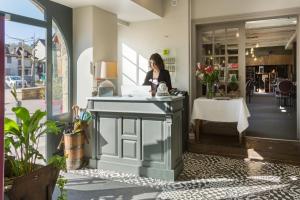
274, 179
254, 154
222, 192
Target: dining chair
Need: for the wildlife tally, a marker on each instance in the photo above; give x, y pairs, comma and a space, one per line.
249, 89
283, 92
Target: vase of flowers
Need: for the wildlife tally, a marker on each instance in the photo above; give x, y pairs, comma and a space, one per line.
207, 75
209, 90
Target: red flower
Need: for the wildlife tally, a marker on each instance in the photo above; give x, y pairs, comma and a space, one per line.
209, 69
207, 74
200, 67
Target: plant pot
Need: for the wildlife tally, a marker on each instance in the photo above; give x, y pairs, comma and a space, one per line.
74, 150
233, 86
37, 185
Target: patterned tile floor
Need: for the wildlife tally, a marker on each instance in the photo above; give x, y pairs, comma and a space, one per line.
216, 177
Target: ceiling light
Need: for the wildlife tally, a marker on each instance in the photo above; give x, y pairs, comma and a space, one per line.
252, 56
257, 45
247, 53
255, 59
237, 34
252, 50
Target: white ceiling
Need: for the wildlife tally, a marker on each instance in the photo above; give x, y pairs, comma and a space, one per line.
271, 23
271, 32
126, 10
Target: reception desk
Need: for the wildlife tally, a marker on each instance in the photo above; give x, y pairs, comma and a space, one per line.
135, 135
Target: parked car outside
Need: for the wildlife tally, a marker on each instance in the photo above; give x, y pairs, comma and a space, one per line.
29, 79
14, 81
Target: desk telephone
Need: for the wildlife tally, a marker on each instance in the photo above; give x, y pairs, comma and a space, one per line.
176, 92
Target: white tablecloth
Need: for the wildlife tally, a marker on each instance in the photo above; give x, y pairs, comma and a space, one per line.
234, 110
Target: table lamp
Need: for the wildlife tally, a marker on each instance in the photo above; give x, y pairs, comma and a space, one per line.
108, 70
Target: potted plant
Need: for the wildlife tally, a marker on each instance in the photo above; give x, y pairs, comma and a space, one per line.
25, 178
233, 85
74, 137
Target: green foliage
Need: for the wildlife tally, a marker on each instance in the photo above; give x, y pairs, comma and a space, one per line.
13, 91
61, 182
233, 85
22, 140
207, 74
60, 162
208, 78
233, 78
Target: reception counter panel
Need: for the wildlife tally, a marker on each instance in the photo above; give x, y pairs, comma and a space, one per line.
142, 136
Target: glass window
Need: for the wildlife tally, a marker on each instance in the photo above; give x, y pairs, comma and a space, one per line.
60, 78
233, 35
23, 7
219, 42
220, 47
206, 40
232, 49
24, 74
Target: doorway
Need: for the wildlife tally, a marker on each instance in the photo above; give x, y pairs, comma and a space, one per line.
270, 55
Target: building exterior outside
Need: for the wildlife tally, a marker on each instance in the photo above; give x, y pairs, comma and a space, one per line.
11, 63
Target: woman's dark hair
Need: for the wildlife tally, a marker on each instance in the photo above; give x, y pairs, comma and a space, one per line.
157, 60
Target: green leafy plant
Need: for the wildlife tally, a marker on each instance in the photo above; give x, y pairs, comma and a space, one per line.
13, 91
61, 182
60, 162
233, 85
22, 139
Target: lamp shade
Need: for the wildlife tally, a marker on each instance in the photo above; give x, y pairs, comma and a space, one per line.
108, 70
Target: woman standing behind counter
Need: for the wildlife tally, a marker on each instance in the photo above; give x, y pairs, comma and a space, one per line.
157, 74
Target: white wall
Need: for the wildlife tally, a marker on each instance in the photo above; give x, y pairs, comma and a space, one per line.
172, 32
40, 50
83, 53
12, 67
95, 39
105, 35
213, 8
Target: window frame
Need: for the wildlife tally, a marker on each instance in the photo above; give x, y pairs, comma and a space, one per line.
47, 24
63, 16
66, 114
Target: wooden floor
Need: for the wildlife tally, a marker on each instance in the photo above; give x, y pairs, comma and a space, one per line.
255, 148
269, 120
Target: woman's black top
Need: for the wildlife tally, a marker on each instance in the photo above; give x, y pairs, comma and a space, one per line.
164, 76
